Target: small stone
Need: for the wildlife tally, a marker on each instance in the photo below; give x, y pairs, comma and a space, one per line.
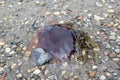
46, 72
76, 77
35, 77
27, 53
18, 49
13, 65
52, 77
105, 14
63, 72
40, 56
63, 12
2, 2
37, 2
80, 18
94, 67
19, 75
117, 50
106, 53
65, 64
108, 46
116, 24
110, 10
112, 55
112, 37
20, 0
102, 77
43, 67
61, 22
57, 13
103, 1
108, 74
116, 59
99, 4
102, 68
97, 18
24, 48
89, 15
2, 42
12, 52
7, 50
115, 76
47, 13
92, 74
37, 71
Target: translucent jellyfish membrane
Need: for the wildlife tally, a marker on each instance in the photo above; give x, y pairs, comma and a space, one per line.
57, 40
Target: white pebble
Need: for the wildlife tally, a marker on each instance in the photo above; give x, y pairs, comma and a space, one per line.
56, 13
99, 4
19, 75
94, 67
37, 71
102, 77
7, 50
110, 10
97, 18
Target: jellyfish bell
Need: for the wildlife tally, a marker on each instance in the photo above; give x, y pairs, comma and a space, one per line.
56, 40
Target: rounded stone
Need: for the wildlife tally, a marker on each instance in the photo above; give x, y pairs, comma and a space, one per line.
37, 71
7, 50
102, 77
40, 56
19, 75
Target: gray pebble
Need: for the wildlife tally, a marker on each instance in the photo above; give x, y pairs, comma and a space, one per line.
40, 56
52, 77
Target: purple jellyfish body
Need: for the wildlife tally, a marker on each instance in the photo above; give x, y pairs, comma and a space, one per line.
57, 40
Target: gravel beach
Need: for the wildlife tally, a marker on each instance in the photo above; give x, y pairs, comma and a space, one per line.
20, 19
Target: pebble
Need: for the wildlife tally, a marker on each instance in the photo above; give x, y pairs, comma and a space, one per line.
12, 52
7, 50
102, 77
94, 67
2, 42
112, 55
65, 64
13, 65
102, 68
97, 18
40, 56
112, 37
110, 10
106, 53
114, 77
116, 59
98, 4
92, 74
37, 71
19, 75
57, 13
117, 50
63, 72
108, 46
35, 77
37, 2
52, 77
108, 74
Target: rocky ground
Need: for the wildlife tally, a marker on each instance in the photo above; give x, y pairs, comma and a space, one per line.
19, 19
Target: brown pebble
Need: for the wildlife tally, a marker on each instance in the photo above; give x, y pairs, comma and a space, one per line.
80, 18
92, 74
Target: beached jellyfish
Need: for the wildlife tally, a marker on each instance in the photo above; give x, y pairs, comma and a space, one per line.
56, 40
